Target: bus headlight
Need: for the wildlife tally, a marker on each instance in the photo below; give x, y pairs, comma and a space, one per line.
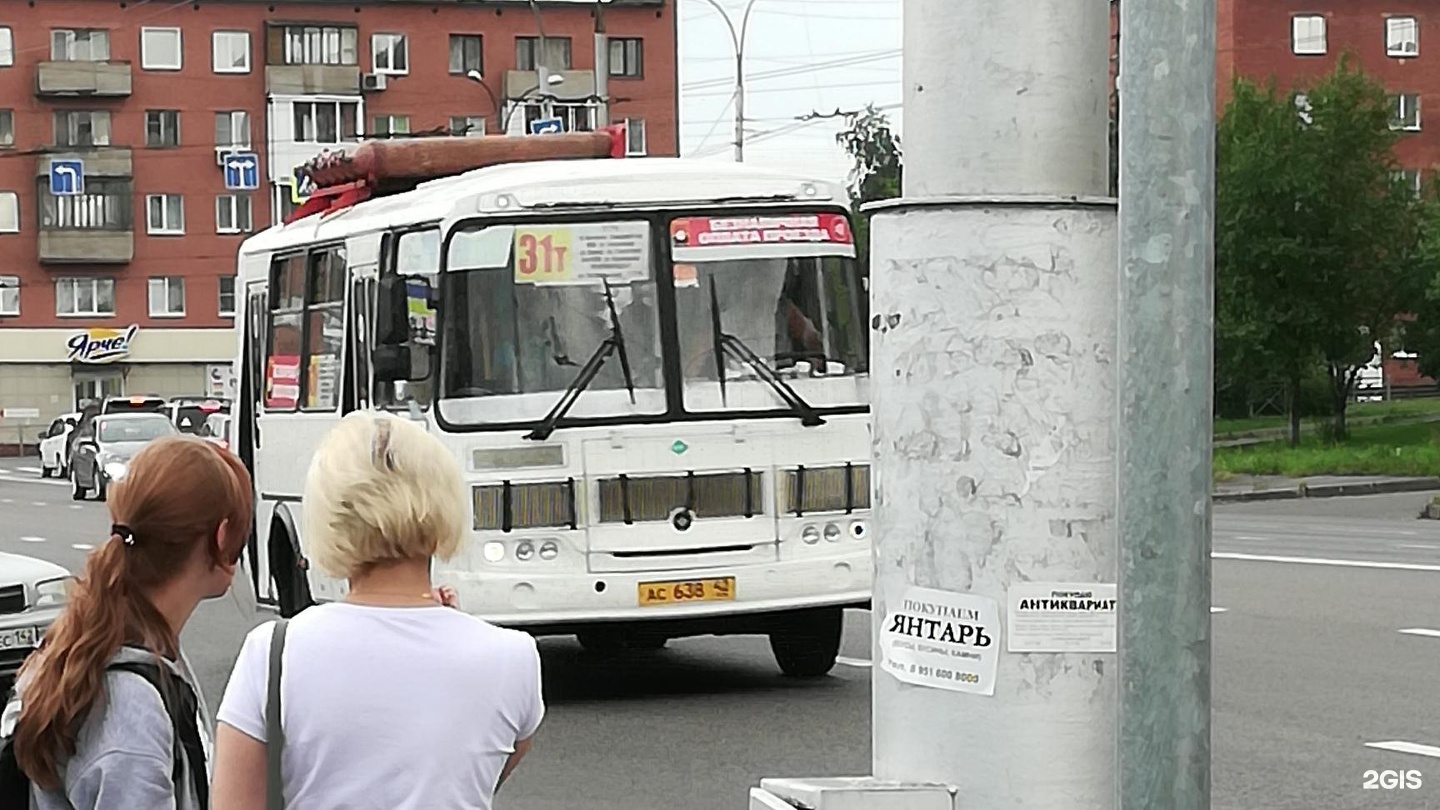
549, 550
832, 532
810, 535
525, 551
494, 552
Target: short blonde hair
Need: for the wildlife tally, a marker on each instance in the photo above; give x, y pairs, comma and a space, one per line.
380, 489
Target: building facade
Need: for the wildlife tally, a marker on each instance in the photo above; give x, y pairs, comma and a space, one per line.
119, 123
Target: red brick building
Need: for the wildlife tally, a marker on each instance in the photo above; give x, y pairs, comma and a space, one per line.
151, 98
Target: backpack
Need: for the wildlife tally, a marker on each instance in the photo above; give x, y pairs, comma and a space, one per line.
181, 705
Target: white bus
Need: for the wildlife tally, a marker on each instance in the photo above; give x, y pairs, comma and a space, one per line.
653, 373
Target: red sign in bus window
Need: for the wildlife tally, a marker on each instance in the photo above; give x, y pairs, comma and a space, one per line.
702, 232
282, 381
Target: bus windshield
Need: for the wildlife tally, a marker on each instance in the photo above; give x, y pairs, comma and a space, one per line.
527, 307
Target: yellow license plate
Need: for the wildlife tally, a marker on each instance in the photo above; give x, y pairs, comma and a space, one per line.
693, 590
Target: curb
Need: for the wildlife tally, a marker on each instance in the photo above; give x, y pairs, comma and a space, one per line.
1329, 490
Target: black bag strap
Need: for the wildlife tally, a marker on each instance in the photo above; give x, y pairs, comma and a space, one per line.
274, 729
183, 707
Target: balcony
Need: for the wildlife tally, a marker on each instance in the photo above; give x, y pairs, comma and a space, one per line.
82, 79
78, 246
100, 161
312, 80
578, 85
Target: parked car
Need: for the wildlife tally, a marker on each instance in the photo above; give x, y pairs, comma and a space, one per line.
190, 413
217, 429
105, 446
32, 592
54, 446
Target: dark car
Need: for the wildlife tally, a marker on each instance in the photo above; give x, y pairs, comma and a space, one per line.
105, 446
190, 413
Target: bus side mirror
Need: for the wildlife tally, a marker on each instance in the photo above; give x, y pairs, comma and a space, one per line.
392, 312
407, 362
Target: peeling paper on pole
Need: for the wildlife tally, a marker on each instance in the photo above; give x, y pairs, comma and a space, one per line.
942, 640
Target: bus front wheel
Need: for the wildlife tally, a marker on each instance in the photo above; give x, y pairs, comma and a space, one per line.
807, 643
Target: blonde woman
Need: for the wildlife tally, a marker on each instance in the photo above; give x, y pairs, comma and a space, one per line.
388, 700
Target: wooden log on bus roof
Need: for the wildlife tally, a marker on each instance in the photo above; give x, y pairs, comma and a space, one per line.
411, 161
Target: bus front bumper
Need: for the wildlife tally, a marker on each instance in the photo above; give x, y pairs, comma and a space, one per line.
560, 603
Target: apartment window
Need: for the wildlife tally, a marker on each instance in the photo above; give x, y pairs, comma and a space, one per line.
467, 53
85, 296
1307, 35
9, 295
1405, 112
627, 58
325, 121
79, 45
1410, 178
312, 45
9, 212
7, 46
167, 297
160, 49
390, 125
635, 137
230, 51
105, 206
232, 129
82, 128
164, 214
232, 213
574, 117
162, 128
1402, 36
388, 54
227, 297
557, 55
7, 128
467, 126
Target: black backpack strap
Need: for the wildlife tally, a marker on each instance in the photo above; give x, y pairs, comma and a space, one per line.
183, 707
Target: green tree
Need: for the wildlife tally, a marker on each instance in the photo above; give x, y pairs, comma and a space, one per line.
876, 167
1316, 243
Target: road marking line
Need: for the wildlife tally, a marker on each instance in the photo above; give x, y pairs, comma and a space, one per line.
7, 500
12, 479
38, 503
28, 469
1250, 538
76, 506
1417, 545
1402, 747
1230, 555
1214, 609
853, 662
32, 539
1421, 631
82, 546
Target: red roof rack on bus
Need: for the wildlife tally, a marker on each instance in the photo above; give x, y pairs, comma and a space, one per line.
380, 168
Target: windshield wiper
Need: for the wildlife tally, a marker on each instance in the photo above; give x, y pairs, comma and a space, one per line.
615, 344
722, 342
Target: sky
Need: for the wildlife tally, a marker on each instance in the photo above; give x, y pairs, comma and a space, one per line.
801, 57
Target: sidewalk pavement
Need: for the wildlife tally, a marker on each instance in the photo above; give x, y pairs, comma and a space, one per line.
1274, 487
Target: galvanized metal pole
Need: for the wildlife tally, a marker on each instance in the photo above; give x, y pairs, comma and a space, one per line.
993, 393
1167, 193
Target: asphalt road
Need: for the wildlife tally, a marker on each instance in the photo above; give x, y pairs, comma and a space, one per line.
1310, 667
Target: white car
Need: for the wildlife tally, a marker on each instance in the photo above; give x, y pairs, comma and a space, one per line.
54, 460
32, 592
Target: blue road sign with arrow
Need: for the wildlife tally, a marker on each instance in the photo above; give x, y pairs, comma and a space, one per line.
242, 171
547, 126
67, 177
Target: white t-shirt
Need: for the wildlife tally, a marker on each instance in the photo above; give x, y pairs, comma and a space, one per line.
391, 708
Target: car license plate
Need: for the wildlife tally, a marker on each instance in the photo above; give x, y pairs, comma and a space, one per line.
690, 590
21, 638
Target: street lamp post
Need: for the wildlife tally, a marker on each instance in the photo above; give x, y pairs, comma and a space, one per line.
476, 77
542, 70
518, 101
737, 37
